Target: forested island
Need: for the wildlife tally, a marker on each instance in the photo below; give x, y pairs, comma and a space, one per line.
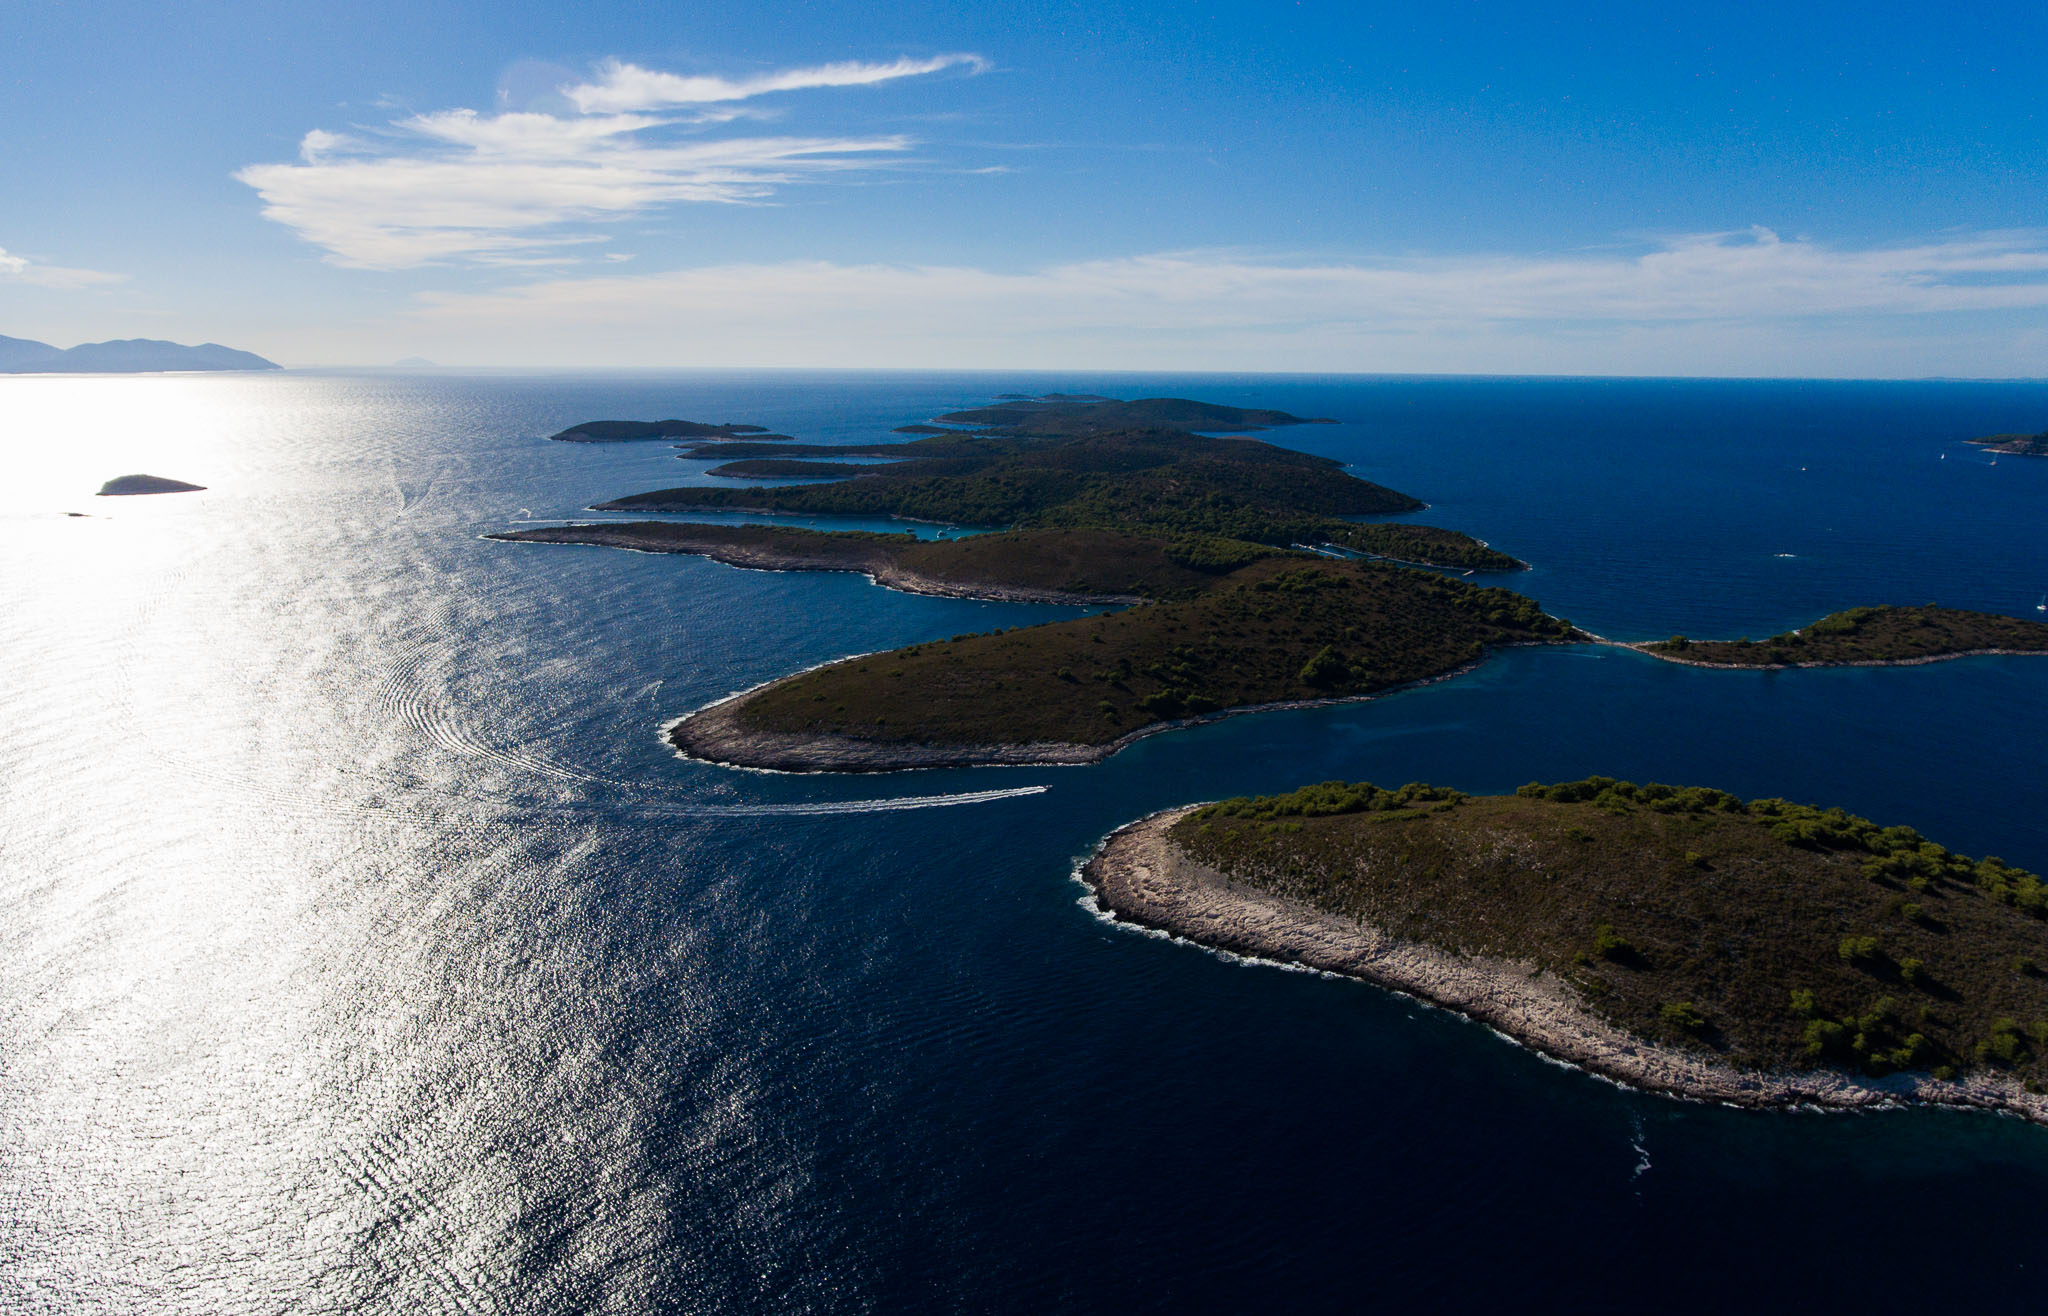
1279, 630
1677, 939
2021, 445
1872, 636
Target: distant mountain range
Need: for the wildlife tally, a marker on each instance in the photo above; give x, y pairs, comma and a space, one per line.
25, 356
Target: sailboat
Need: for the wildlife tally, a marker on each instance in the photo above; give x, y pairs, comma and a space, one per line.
2042, 606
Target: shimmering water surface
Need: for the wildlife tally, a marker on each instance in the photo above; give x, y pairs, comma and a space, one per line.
364, 950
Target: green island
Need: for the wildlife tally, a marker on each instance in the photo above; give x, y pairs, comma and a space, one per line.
1278, 630
1067, 466
630, 431
1867, 637
1677, 939
2021, 445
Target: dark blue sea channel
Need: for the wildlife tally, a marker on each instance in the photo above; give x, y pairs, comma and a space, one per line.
366, 951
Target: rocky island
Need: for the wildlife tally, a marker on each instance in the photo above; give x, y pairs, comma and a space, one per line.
122, 486
2020, 445
1278, 631
1680, 940
1867, 637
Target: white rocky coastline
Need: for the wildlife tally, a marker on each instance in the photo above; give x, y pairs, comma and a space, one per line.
1643, 647
1139, 875
714, 734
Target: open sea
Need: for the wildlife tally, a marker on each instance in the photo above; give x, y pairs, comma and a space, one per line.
364, 950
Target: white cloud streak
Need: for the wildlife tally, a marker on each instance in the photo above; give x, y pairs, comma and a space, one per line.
1216, 311
525, 188
20, 269
620, 86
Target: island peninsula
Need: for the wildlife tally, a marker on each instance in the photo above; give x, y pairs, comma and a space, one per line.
1679, 940
2019, 445
1867, 637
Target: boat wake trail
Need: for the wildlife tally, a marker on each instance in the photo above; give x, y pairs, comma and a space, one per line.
826, 807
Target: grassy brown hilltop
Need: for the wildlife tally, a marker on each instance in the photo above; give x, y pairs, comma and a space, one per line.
1770, 934
1867, 635
1278, 629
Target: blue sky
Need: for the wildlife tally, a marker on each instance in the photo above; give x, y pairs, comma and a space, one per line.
1754, 189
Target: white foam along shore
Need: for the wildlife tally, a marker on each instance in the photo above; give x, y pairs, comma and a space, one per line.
1142, 877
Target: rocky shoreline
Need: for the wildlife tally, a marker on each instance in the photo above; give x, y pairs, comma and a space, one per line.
713, 734
1642, 647
876, 563
1141, 877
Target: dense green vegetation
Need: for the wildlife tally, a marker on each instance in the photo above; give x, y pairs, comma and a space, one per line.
2024, 445
1158, 479
771, 468
1085, 463
1281, 628
626, 431
1080, 562
1076, 414
1775, 934
1422, 543
1868, 635
1094, 562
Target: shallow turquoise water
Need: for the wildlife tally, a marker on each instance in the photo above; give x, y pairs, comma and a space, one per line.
367, 951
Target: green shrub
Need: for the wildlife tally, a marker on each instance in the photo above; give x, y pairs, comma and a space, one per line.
1326, 668
1611, 945
1683, 1015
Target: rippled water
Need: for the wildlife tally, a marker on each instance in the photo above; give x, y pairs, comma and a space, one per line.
366, 951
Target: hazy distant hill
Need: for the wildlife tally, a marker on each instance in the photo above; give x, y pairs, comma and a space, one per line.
21, 356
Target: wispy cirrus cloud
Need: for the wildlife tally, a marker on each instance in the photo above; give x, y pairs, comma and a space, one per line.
21, 269
1730, 291
524, 188
621, 86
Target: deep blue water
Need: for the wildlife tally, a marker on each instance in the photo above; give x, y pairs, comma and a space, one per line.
366, 951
